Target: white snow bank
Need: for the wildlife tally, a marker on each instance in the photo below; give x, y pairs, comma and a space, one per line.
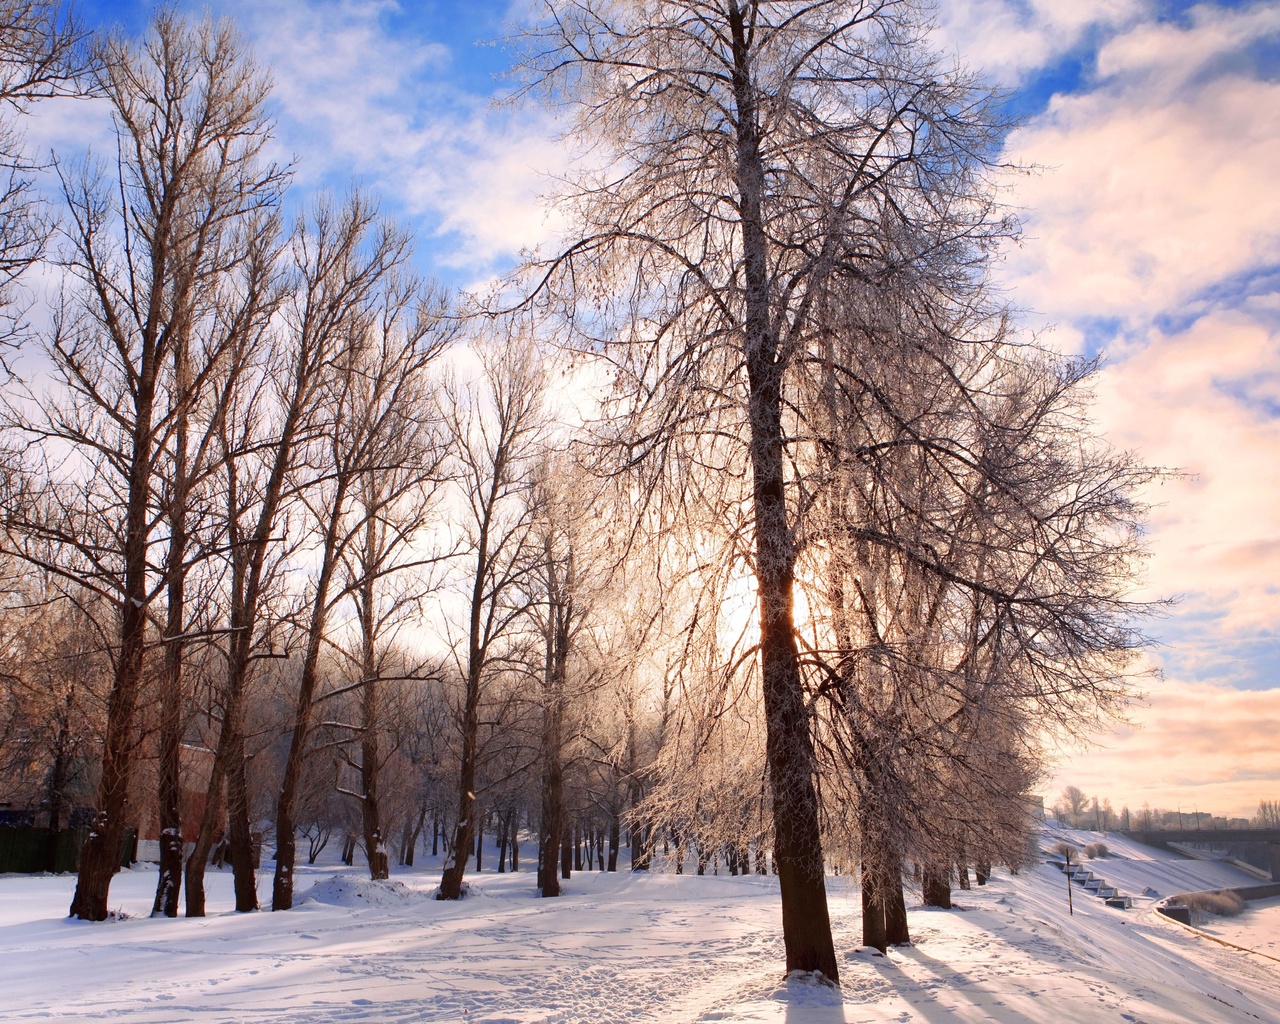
352, 890
1132, 867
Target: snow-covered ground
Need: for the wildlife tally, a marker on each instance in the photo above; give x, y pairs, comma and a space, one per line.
1257, 928
624, 948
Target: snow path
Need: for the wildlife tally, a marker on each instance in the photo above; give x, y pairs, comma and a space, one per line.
617, 948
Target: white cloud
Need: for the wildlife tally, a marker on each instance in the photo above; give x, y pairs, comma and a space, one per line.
1174, 54
1150, 196
1158, 208
1155, 222
1203, 401
1007, 39
358, 101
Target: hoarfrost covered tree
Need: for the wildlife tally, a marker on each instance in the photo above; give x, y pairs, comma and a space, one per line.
1074, 802
753, 150
978, 544
589, 615
787, 243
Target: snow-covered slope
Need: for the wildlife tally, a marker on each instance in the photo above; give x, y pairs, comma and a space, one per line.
1131, 867
624, 948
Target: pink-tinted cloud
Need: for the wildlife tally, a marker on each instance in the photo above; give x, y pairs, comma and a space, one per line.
1151, 194
1201, 401
1195, 746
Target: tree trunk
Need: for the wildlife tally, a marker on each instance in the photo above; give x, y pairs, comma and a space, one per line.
370, 712
240, 829
204, 842
464, 831
936, 886
100, 857
371, 813
169, 881
873, 926
806, 926
896, 930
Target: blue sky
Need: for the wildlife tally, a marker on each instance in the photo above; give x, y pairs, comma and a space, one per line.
1152, 235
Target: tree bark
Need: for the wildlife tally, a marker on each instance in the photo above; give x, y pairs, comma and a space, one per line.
169, 882
286, 804
936, 886
806, 926
100, 857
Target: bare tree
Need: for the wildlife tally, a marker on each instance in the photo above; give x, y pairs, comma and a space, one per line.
372, 450
147, 253
497, 424
576, 567
338, 256
389, 574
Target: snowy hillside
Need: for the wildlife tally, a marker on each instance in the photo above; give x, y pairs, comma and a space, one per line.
626, 948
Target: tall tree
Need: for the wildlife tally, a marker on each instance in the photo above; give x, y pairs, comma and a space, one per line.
498, 424
338, 256
148, 252
373, 446
756, 149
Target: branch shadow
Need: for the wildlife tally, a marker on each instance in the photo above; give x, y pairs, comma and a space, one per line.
924, 1002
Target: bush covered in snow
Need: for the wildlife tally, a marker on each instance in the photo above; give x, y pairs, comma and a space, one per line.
1218, 904
1094, 850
